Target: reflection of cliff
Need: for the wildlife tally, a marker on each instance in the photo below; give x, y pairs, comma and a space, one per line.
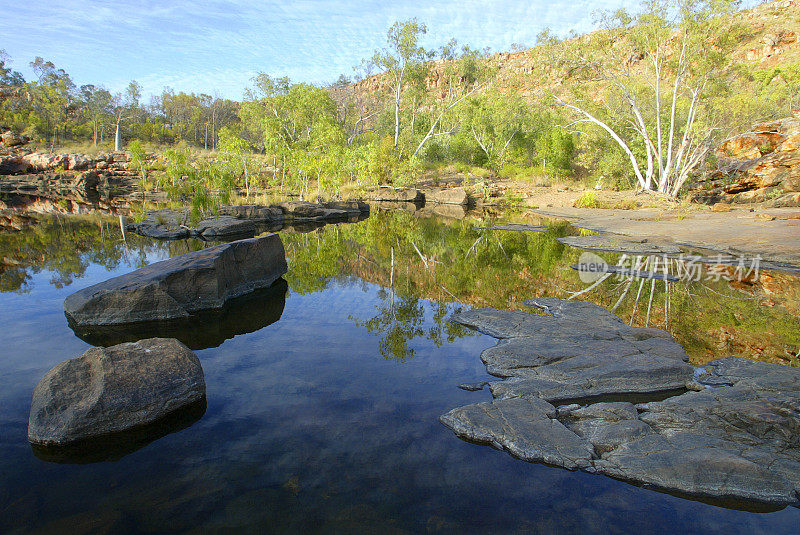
242, 315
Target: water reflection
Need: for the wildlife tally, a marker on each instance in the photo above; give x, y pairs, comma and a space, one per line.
308, 429
470, 261
114, 447
245, 314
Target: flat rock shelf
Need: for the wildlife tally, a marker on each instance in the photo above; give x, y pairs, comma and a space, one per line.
583, 390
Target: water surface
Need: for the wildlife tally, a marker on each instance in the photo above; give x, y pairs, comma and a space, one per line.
325, 419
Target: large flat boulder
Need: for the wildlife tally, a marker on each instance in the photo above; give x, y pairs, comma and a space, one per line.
727, 432
457, 196
181, 286
112, 390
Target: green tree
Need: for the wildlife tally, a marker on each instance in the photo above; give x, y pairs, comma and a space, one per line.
52, 97
126, 107
403, 59
465, 72
96, 102
647, 79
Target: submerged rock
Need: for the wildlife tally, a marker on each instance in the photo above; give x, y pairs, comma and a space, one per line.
737, 441
181, 286
107, 391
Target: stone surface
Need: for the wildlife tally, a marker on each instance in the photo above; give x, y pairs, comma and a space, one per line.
307, 211
387, 193
756, 166
182, 285
12, 139
458, 196
525, 427
735, 436
581, 351
236, 222
111, 390
224, 227
620, 244
736, 233
12, 165
241, 315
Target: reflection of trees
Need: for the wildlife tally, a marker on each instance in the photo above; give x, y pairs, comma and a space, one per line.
437, 260
397, 322
413, 258
709, 310
66, 246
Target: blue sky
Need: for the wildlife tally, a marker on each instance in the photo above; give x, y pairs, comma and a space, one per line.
217, 46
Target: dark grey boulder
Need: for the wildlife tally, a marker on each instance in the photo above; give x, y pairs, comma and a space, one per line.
180, 286
163, 224
308, 211
734, 439
253, 212
203, 330
111, 390
224, 227
351, 207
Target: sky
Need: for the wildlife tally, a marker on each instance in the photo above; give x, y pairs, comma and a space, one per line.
217, 46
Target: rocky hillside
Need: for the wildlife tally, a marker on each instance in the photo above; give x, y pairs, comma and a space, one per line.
762, 165
772, 38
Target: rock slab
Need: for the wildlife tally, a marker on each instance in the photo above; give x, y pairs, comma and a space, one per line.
732, 436
181, 286
111, 390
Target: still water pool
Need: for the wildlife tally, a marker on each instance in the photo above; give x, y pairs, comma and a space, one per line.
323, 398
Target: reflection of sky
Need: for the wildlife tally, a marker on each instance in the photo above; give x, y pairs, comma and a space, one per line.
307, 428
218, 45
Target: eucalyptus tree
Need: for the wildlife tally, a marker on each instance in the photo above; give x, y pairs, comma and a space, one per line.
9, 77
464, 71
295, 122
493, 120
125, 107
96, 102
646, 79
403, 59
52, 97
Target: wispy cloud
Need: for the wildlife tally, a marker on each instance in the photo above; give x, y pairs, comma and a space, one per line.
218, 45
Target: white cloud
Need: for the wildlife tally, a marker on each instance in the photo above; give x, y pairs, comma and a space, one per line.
219, 44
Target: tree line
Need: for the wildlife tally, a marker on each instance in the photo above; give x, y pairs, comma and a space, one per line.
52, 109
641, 103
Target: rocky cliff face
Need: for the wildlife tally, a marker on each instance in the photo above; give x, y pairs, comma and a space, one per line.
762, 165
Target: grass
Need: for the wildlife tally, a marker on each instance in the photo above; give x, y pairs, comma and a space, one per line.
588, 199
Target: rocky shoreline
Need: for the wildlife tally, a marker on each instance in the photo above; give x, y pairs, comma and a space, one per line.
582, 390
